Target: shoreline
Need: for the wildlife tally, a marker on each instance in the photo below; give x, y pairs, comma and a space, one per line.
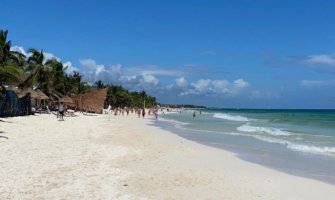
131, 158
255, 156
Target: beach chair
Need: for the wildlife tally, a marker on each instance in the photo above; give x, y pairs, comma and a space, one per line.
70, 113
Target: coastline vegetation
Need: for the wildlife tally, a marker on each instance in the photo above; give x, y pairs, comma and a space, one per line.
35, 72
183, 106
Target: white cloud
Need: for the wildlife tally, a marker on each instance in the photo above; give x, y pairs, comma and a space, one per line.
152, 70
69, 67
210, 87
318, 83
150, 79
322, 59
162, 72
19, 49
93, 72
201, 85
140, 78
138, 82
240, 83
100, 69
181, 82
117, 74
48, 56
88, 63
324, 63
221, 86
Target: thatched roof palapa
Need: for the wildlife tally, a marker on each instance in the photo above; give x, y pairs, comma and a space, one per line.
66, 99
35, 94
92, 101
54, 97
41, 95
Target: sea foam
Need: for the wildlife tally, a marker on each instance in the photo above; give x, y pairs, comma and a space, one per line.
175, 122
299, 147
259, 129
311, 149
231, 117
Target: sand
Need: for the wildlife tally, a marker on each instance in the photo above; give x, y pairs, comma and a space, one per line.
92, 157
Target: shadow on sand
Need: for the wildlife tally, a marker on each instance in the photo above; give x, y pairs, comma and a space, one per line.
5, 121
1, 136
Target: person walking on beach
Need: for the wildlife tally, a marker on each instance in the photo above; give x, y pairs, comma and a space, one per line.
57, 110
143, 113
61, 110
139, 113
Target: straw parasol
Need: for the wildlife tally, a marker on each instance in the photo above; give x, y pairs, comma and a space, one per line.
54, 97
35, 94
22, 92
40, 95
66, 99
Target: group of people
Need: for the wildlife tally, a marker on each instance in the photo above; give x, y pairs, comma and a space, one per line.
140, 112
60, 108
120, 111
194, 114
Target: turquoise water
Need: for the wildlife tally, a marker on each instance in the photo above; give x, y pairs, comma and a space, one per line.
301, 142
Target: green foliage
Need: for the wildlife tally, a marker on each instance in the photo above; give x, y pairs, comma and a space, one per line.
38, 73
9, 61
99, 84
9, 73
119, 97
50, 77
4, 48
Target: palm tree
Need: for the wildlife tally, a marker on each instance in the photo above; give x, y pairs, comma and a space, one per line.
77, 82
99, 84
9, 61
5, 53
56, 78
143, 95
50, 77
9, 73
72, 83
37, 71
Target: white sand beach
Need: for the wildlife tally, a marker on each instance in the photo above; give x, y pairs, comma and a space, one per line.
90, 157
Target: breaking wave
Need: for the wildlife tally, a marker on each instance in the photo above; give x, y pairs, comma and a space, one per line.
231, 117
259, 129
311, 149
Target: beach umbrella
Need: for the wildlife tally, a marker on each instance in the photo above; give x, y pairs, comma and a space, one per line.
22, 92
54, 97
40, 95
65, 99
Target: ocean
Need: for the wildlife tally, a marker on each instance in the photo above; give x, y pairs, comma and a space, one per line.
299, 142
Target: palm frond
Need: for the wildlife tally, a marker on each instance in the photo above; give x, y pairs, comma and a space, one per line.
10, 73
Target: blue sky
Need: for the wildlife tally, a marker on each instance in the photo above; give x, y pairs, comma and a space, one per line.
237, 53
